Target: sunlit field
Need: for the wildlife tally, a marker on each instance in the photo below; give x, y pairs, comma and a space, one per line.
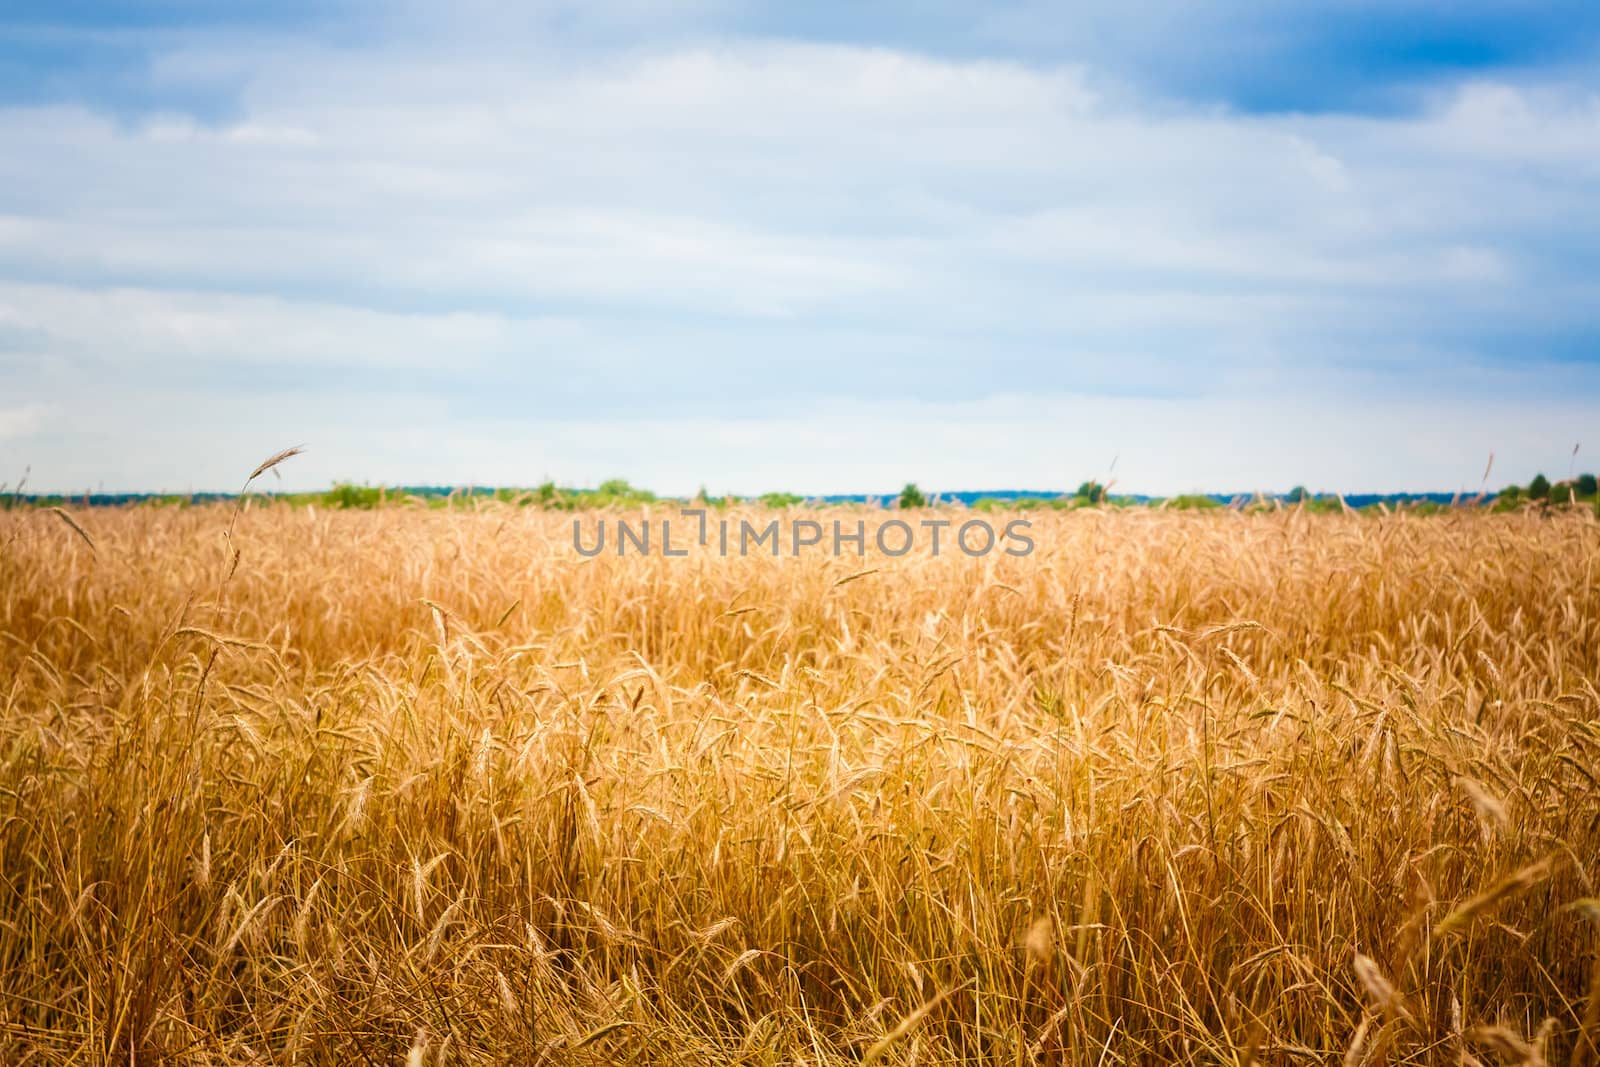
426, 786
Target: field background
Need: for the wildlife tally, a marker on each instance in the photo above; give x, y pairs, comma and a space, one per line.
423, 786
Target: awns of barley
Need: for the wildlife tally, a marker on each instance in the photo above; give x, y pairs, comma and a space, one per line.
419, 786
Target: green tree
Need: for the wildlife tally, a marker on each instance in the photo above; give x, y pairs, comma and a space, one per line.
350, 495
1091, 491
1191, 502
1297, 495
1539, 488
911, 497
1586, 485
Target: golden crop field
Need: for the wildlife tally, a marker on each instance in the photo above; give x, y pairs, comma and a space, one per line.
415, 786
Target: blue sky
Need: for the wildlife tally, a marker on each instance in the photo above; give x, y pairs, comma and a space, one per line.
821, 247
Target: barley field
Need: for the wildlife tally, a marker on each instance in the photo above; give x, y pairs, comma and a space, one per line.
424, 786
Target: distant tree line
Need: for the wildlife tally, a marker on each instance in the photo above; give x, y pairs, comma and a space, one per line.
1578, 489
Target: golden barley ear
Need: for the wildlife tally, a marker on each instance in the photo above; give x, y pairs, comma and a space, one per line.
238, 505
1379, 988
273, 460
79, 530
1520, 881
1040, 941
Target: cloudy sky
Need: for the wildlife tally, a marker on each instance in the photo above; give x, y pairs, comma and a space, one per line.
829, 246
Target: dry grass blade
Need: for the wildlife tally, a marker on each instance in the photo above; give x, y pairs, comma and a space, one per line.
221, 639
1586, 1049
909, 1023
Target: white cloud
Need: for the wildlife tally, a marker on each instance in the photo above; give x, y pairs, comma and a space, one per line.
730, 225
137, 330
24, 421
